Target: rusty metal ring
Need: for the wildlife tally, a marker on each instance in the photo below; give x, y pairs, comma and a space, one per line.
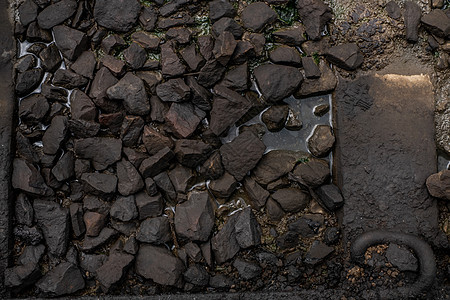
424, 253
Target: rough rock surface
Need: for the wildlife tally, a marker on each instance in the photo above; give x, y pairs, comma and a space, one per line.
119, 15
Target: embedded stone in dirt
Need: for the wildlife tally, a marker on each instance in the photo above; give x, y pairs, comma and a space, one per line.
64, 279
160, 265
257, 15
345, 56
331, 196
135, 56
275, 117
285, 55
131, 90
401, 258
308, 225
56, 13
146, 40
276, 88
314, 14
437, 22
117, 15
99, 183
27, 178
179, 35
157, 163
247, 229
228, 107
55, 135
292, 36
191, 153
247, 270
149, 206
321, 141
70, 42
154, 230
291, 199
317, 253
412, 14
124, 209
54, 223
242, 154
438, 185
113, 270
102, 151
173, 90
27, 81
275, 164
129, 180
194, 219
312, 173
393, 10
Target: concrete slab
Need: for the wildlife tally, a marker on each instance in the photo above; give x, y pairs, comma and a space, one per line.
385, 151
7, 53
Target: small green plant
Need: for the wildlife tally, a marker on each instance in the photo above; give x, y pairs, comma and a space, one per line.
302, 160
316, 57
287, 13
146, 3
436, 54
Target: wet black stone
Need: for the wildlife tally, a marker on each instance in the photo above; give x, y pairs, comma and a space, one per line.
247, 270
146, 41
54, 222
64, 168
37, 34
70, 42
116, 66
330, 196
193, 251
117, 15
219, 9
311, 68
437, 22
154, 231
160, 265
156, 163
124, 209
99, 184
242, 154
81, 106
112, 121
165, 185
131, 90
135, 56
211, 73
288, 240
25, 149
54, 135
247, 229
64, 279
25, 63
228, 107
102, 81
321, 141
56, 13
76, 217
50, 58
256, 193
206, 45
193, 59
224, 186
148, 18
200, 96
331, 235
315, 14
68, 79
224, 47
150, 186
243, 52
276, 88
54, 93
308, 225
224, 243
220, 281
172, 7
112, 42
319, 86
197, 275
345, 56
173, 90
194, 219
83, 129
312, 173
291, 199
149, 206
113, 270
28, 11
183, 119
401, 258
23, 210
258, 41
94, 222
33, 109
236, 78
257, 15
191, 153
227, 24
85, 64
155, 141
412, 15
29, 80
212, 168
180, 35
129, 180
182, 19
151, 80
171, 64
134, 156
92, 262
275, 117
317, 253
292, 36
22, 276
